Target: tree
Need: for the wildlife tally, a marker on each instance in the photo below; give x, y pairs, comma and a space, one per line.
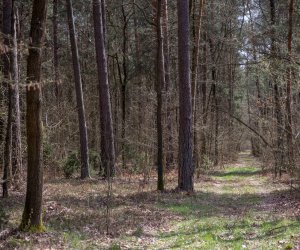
7, 31
186, 167
160, 83
84, 151
55, 51
279, 147
12, 150
32, 214
289, 128
194, 78
15, 95
107, 134
169, 140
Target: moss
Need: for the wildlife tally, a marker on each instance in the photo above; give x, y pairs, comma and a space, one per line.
27, 227
37, 228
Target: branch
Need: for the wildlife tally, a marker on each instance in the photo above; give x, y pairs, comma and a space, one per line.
249, 127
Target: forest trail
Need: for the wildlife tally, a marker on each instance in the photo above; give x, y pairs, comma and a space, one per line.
236, 207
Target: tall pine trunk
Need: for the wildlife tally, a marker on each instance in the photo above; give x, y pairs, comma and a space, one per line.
16, 116
55, 52
195, 66
7, 31
32, 215
79, 95
289, 128
107, 134
186, 167
279, 147
160, 83
168, 89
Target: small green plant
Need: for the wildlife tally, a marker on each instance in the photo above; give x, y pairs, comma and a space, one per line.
48, 154
94, 160
115, 246
47, 150
72, 164
207, 163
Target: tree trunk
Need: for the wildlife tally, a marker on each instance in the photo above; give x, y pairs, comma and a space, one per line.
160, 83
32, 215
138, 69
79, 95
107, 134
124, 84
203, 151
7, 31
165, 31
289, 128
186, 167
279, 150
7, 173
216, 109
55, 52
16, 117
195, 66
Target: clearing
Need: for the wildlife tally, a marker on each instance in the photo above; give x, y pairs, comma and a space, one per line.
237, 207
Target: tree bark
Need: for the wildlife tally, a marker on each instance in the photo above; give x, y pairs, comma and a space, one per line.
32, 215
289, 127
160, 83
279, 149
79, 95
107, 134
7, 31
124, 84
186, 167
55, 52
165, 31
195, 66
16, 116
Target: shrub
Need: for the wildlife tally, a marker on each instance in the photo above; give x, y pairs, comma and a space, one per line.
94, 160
72, 164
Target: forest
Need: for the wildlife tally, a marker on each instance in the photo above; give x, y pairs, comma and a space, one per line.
150, 124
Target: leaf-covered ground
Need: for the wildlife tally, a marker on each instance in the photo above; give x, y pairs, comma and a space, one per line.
237, 207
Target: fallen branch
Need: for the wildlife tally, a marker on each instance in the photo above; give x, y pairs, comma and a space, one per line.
249, 127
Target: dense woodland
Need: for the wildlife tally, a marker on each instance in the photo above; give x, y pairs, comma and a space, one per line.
140, 91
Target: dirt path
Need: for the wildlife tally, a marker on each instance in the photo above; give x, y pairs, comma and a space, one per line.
237, 208
234, 208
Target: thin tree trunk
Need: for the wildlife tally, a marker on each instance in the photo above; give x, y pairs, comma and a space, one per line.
32, 215
7, 173
279, 150
160, 83
216, 109
79, 95
289, 128
203, 151
16, 117
107, 139
195, 66
55, 51
7, 31
124, 84
196, 52
138, 69
165, 27
186, 167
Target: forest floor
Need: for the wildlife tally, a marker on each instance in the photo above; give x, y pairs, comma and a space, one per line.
236, 207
